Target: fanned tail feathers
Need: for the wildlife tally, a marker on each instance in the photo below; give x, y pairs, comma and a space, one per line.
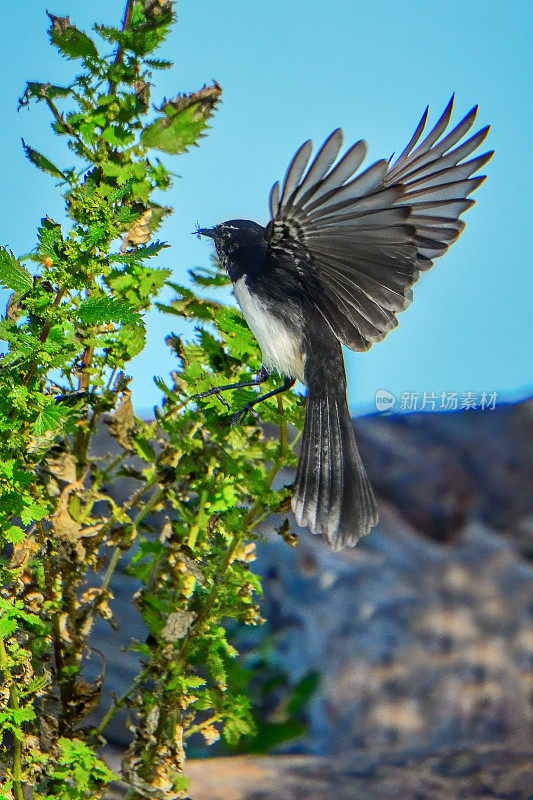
332, 492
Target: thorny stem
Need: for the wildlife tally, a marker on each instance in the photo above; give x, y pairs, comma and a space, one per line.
60, 119
114, 518
118, 704
120, 50
50, 595
195, 529
43, 336
14, 703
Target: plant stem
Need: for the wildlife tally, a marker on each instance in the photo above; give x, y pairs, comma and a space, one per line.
43, 336
118, 704
14, 703
59, 118
195, 529
106, 527
50, 595
283, 435
201, 725
120, 50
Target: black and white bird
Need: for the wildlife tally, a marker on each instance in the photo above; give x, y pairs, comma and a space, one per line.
334, 266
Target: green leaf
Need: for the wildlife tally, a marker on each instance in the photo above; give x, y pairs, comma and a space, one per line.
144, 448
150, 24
269, 736
15, 535
47, 420
13, 275
203, 276
42, 91
107, 309
184, 122
139, 253
69, 40
158, 63
122, 192
50, 238
134, 339
33, 513
118, 136
41, 162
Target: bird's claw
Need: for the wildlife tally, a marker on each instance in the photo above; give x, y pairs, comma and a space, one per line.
239, 416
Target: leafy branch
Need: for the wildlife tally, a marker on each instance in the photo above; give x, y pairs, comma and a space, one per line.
187, 531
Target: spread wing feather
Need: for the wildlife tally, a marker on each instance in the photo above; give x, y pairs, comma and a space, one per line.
365, 237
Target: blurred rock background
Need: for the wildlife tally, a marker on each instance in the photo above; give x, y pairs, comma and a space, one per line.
421, 636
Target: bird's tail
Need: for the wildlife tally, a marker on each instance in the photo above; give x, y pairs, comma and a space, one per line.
332, 493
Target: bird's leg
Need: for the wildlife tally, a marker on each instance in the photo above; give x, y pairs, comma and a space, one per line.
261, 377
288, 383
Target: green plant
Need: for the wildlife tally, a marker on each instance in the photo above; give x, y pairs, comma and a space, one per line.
71, 327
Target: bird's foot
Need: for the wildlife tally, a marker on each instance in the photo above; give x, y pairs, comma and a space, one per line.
240, 415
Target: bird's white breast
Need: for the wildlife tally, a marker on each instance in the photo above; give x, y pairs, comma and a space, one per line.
280, 343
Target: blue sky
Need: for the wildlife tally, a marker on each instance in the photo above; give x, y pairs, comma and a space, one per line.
294, 70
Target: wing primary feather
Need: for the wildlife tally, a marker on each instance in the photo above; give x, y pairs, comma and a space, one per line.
427, 164
295, 170
435, 133
344, 169
415, 137
321, 164
365, 182
274, 199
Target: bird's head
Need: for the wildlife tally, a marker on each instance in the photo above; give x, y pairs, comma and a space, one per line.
240, 244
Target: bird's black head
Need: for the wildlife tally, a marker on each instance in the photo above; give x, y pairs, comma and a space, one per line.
240, 244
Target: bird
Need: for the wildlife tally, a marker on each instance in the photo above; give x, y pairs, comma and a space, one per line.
334, 266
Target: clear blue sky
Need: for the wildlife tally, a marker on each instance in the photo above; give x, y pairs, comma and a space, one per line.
294, 70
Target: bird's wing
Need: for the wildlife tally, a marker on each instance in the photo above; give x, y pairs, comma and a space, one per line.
364, 237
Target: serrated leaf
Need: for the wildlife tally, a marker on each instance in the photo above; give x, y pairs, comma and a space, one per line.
8, 626
107, 309
134, 336
15, 535
158, 214
42, 91
158, 63
72, 42
122, 192
144, 448
139, 253
41, 162
184, 122
13, 274
203, 276
47, 420
118, 136
50, 238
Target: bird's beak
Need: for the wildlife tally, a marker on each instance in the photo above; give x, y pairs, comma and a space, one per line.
205, 232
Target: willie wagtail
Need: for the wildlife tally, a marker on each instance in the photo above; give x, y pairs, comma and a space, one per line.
334, 266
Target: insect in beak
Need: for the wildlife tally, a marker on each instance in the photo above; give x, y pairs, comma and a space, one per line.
203, 232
